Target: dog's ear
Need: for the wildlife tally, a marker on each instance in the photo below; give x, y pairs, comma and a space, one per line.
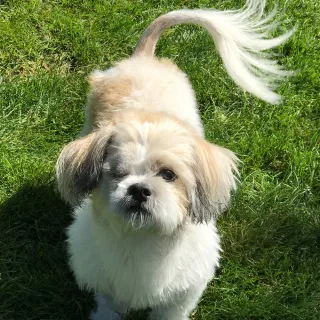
80, 165
216, 175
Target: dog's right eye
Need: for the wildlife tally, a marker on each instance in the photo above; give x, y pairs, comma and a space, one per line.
168, 175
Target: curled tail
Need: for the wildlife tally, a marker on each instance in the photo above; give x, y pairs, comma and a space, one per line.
241, 38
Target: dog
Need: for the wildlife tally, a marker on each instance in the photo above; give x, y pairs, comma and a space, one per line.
146, 185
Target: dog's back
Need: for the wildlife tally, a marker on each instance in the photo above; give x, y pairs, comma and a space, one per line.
140, 82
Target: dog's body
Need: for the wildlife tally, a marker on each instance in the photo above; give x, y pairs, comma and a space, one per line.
136, 270
149, 185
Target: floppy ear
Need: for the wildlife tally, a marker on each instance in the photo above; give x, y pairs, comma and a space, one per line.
215, 173
80, 164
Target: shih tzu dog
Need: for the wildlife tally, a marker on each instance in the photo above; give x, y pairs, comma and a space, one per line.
146, 184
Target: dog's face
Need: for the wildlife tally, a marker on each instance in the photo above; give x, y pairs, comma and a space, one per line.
147, 172
150, 170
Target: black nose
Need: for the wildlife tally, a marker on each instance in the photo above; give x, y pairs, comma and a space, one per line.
139, 192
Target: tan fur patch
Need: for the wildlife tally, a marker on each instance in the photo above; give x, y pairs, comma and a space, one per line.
149, 84
105, 98
182, 194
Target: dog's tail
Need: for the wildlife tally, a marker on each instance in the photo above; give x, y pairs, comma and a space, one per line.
241, 38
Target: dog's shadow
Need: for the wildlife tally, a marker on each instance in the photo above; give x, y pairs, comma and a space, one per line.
35, 280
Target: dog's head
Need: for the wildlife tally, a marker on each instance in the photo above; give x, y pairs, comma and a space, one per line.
149, 169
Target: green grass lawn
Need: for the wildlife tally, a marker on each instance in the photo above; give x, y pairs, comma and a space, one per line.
270, 235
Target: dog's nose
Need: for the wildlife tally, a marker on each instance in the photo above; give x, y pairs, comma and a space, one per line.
139, 192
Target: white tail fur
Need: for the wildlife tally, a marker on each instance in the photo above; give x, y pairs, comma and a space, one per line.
241, 38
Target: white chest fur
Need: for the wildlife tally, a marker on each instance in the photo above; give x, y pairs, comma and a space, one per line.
138, 268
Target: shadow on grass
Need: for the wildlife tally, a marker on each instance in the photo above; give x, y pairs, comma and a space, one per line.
36, 282
270, 264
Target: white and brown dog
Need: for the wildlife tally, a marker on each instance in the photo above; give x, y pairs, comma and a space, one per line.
147, 185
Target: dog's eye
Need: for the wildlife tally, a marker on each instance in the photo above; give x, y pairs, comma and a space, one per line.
118, 174
167, 175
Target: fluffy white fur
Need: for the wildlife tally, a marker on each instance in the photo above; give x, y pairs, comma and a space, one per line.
134, 270
141, 121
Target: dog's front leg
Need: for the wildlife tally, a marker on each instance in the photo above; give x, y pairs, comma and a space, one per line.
179, 308
106, 310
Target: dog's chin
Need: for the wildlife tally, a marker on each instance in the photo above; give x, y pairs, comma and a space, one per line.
136, 215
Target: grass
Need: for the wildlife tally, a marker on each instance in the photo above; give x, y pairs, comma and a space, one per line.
270, 235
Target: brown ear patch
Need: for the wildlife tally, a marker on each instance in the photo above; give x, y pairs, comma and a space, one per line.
80, 164
215, 179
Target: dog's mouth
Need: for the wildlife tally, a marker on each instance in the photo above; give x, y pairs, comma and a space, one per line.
136, 215
137, 209
133, 208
